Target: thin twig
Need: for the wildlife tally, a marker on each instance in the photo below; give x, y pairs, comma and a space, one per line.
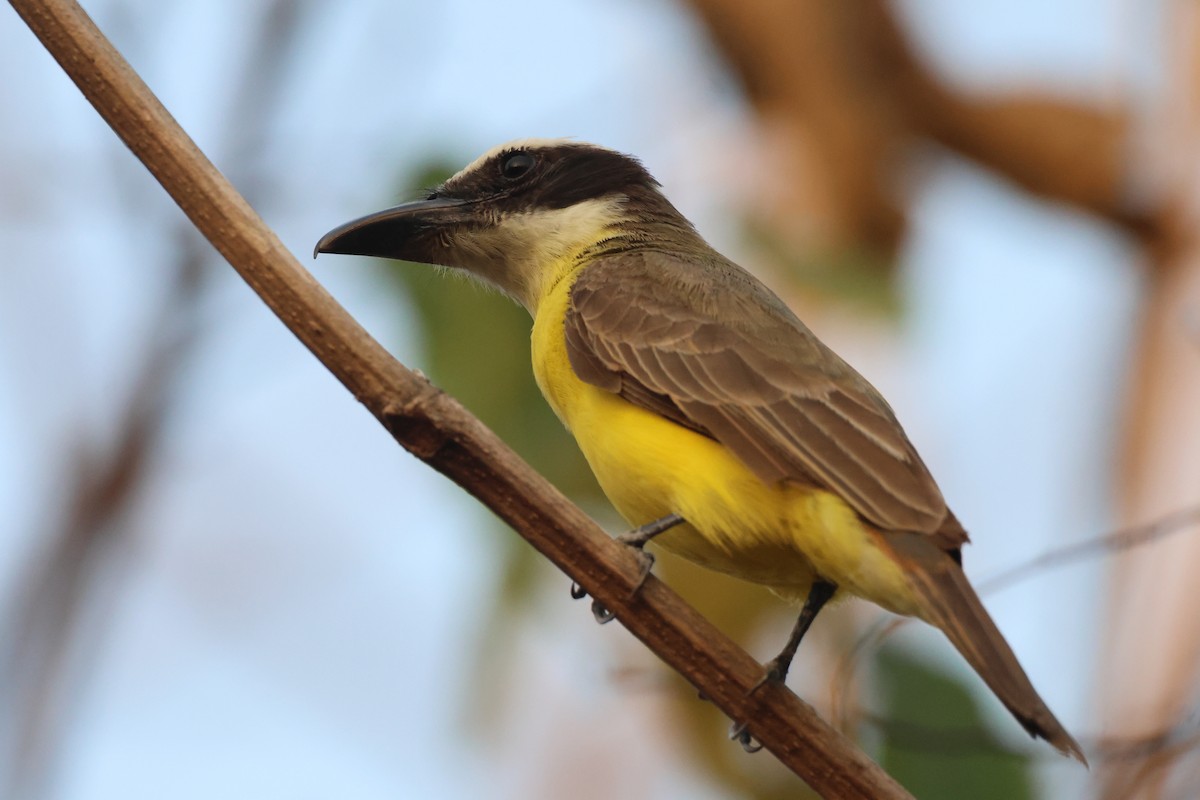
439, 431
959, 740
1123, 539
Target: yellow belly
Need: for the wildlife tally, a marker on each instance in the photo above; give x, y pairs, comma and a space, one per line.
779, 535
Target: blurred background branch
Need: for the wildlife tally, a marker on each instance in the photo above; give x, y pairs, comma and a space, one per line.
45, 656
851, 101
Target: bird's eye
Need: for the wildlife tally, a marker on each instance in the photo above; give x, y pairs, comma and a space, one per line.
516, 165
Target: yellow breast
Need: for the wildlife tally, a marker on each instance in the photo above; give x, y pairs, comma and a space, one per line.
649, 467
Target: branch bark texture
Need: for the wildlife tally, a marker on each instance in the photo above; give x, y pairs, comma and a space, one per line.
441, 432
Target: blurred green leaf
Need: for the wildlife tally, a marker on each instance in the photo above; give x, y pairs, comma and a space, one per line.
935, 742
861, 277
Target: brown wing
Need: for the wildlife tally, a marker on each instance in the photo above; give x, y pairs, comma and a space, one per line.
705, 344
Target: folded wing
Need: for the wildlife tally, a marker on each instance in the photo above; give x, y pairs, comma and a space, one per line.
705, 344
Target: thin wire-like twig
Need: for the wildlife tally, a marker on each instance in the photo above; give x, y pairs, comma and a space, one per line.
1123, 539
967, 741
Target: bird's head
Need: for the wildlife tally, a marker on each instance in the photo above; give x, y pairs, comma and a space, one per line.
518, 216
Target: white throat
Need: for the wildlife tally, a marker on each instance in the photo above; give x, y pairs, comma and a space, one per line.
523, 254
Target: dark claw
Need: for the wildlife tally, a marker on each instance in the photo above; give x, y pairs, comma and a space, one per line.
601, 614
740, 733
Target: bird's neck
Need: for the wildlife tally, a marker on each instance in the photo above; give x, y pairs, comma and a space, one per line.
592, 231
664, 234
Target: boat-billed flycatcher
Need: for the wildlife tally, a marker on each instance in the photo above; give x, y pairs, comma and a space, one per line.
700, 399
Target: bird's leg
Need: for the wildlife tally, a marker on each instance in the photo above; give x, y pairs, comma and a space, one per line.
777, 667
818, 596
637, 539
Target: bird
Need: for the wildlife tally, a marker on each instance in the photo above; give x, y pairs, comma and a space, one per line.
714, 419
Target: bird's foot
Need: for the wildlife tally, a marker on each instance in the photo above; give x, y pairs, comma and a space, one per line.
637, 540
646, 559
775, 672
639, 537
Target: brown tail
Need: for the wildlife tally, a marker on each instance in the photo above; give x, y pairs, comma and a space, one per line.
951, 604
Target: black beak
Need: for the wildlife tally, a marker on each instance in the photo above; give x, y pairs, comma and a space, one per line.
402, 232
